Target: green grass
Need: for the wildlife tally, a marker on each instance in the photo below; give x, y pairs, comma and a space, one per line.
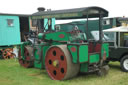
11, 73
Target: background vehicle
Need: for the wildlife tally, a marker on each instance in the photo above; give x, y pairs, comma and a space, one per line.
12, 30
118, 41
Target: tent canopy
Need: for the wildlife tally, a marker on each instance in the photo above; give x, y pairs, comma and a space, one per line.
117, 29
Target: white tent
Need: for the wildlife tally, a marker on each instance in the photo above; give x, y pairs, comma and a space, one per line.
95, 34
117, 29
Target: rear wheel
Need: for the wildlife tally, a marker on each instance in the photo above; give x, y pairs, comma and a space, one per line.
124, 63
58, 63
26, 62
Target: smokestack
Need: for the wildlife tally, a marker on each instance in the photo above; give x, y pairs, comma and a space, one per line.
41, 9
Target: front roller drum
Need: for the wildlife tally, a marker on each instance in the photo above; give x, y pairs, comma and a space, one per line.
27, 62
58, 63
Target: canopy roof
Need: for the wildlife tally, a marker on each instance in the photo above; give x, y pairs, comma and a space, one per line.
91, 12
20, 15
123, 19
117, 29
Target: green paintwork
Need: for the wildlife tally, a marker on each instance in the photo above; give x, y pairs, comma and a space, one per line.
83, 53
55, 36
42, 48
37, 64
29, 23
21, 46
84, 67
37, 61
73, 54
91, 12
94, 58
45, 48
66, 15
114, 23
22, 50
105, 47
9, 35
40, 35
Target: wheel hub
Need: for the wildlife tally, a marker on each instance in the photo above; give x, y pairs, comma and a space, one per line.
56, 63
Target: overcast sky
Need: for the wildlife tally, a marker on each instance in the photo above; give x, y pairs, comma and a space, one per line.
115, 7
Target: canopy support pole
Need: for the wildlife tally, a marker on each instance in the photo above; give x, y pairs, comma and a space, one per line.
87, 29
100, 28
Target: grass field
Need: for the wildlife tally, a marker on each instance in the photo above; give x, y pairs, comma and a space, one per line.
11, 73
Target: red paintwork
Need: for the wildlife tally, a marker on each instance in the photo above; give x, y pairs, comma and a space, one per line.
61, 36
94, 48
98, 47
73, 49
90, 47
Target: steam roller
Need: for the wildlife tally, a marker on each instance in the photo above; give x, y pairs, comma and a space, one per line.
58, 63
64, 52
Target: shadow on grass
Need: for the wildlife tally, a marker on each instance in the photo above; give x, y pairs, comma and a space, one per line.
84, 77
115, 66
89, 76
81, 77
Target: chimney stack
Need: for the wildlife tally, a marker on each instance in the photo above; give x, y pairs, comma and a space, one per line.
41, 9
